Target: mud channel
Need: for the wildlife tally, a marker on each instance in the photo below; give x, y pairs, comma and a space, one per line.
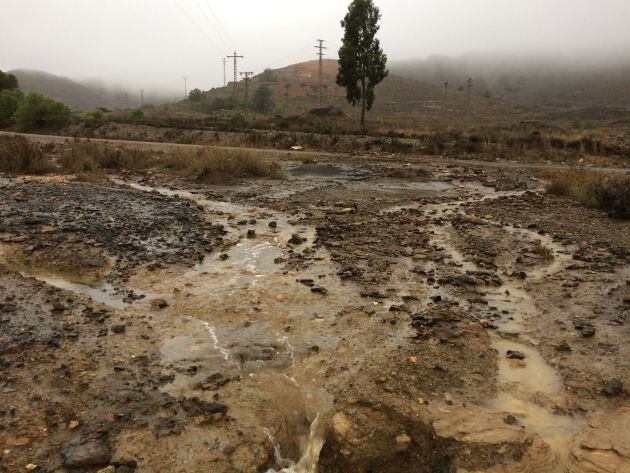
353, 317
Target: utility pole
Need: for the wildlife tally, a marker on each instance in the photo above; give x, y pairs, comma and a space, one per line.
321, 48
246, 76
236, 58
126, 99
224, 63
445, 90
185, 86
469, 82
142, 97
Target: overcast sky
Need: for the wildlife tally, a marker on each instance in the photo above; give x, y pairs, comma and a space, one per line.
154, 43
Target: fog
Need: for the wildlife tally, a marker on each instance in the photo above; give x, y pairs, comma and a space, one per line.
153, 44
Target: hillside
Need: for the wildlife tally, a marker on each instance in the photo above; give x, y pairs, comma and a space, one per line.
295, 89
530, 80
75, 95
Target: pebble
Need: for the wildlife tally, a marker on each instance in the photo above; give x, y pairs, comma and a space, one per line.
613, 387
515, 355
118, 328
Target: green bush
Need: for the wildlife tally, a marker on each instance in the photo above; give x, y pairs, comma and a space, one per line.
195, 95
8, 81
9, 101
136, 115
263, 99
238, 119
37, 111
218, 103
94, 115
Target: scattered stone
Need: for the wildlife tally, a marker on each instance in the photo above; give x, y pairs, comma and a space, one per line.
319, 290
586, 330
159, 304
251, 233
626, 299
296, 239
224, 256
31, 467
402, 442
511, 420
58, 306
273, 224
515, 355
95, 262
119, 328
563, 347
341, 426
613, 387
109, 469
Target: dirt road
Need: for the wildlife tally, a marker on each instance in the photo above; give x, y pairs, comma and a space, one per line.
339, 320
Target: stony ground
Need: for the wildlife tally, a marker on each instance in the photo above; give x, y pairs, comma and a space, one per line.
364, 316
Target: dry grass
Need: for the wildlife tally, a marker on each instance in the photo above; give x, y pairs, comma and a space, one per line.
610, 193
217, 165
20, 156
88, 157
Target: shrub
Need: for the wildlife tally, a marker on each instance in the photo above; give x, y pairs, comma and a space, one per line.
9, 101
194, 95
263, 99
238, 119
37, 111
19, 156
610, 193
94, 115
8, 81
218, 103
136, 115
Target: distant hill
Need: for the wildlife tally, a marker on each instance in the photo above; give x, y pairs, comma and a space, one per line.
77, 96
295, 89
530, 80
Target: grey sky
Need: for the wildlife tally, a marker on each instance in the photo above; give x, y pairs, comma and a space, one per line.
153, 43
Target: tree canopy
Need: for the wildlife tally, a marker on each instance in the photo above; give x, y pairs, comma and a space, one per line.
362, 63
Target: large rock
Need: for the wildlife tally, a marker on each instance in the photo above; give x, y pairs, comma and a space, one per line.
95, 453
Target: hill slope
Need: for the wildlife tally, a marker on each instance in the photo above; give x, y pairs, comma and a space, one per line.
75, 95
295, 89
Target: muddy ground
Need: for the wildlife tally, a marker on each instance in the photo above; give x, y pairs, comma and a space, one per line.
356, 316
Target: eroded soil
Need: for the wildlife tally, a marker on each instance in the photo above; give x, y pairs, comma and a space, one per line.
358, 316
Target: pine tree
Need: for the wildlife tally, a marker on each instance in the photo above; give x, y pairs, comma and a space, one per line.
362, 63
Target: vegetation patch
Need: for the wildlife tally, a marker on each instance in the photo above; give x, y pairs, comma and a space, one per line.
610, 193
19, 156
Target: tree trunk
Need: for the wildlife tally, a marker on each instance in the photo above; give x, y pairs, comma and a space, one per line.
363, 105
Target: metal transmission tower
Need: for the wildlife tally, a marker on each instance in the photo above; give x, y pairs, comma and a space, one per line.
470, 83
224, 63
445, 90
236, 58
185, 86
246, 76
142, 97
321, 48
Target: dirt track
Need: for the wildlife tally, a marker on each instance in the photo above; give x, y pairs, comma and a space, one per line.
339, 319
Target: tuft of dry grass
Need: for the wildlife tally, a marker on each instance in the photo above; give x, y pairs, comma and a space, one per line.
89, 157
610, 193
217, 165
19, 156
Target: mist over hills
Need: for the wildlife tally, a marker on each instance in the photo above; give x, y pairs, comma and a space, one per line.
530, 79
83, 95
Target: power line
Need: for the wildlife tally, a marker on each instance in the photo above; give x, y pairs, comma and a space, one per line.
227, 35
216, 30
194, 23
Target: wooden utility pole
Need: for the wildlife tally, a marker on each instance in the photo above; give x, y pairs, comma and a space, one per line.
236, 58
224, 63
320, 47
445, 90
469, 82
246, 76
142, 97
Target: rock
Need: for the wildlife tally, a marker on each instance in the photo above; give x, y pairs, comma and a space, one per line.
341, 426
613, 387
95, 262
273, 224
58, 306
515, 355
296, 239
159, 304
118, 328
319, 290
251, 233
563, 347
586, 330
626, 299
31, 467
109, 469
89, 454
402, 442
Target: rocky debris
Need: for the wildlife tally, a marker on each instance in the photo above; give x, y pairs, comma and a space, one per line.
120, 328
159, 304
402, 442
585, 329
296, 239
515, 355
196, 406
89, 454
